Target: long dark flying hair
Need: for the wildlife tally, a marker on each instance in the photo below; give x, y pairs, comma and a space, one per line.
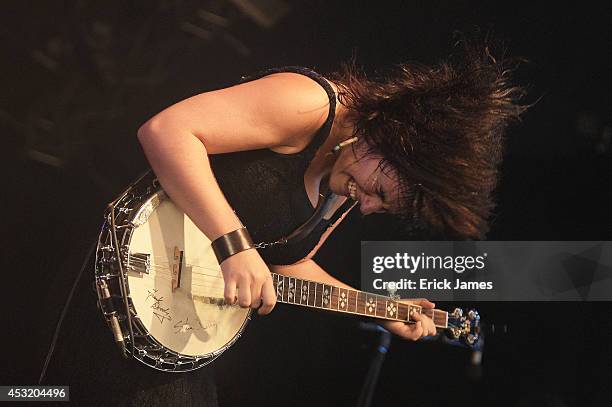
441, 129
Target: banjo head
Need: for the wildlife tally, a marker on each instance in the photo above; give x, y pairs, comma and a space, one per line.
174, 284
190, 319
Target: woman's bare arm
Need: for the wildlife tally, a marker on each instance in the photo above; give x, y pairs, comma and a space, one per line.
281, 112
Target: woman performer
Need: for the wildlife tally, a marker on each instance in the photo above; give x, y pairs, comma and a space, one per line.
423, 144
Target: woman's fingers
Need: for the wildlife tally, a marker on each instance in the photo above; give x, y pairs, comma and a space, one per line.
229, 293
255, 294
262, 297
416, 331
427, 325
423, 302
248, 278
244, 292
268, 296
427, 304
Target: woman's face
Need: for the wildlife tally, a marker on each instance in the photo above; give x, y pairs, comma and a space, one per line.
357, 175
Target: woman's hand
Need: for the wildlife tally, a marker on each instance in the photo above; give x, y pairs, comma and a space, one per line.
247, 273
424, 326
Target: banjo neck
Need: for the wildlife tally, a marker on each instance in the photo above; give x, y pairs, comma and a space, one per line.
292, 290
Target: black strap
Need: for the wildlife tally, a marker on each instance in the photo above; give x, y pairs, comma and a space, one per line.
325, 201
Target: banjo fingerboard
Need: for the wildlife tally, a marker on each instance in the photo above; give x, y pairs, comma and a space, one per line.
292, 290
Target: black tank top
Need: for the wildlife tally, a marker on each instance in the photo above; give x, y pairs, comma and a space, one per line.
266, 189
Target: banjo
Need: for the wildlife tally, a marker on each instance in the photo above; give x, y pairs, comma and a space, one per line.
160, 288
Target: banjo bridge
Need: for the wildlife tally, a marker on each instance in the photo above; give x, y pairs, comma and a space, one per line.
177, 268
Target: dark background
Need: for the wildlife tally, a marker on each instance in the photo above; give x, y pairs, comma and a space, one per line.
78, 78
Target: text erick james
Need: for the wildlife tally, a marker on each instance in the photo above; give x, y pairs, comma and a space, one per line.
435, 284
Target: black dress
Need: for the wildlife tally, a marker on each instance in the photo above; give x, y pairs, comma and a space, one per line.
266, 189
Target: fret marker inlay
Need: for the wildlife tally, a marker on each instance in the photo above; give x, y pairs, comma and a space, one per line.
291, 291
279, 289
326, 296
391, 309
371, 304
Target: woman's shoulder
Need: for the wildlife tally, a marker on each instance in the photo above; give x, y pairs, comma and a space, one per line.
316, 97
